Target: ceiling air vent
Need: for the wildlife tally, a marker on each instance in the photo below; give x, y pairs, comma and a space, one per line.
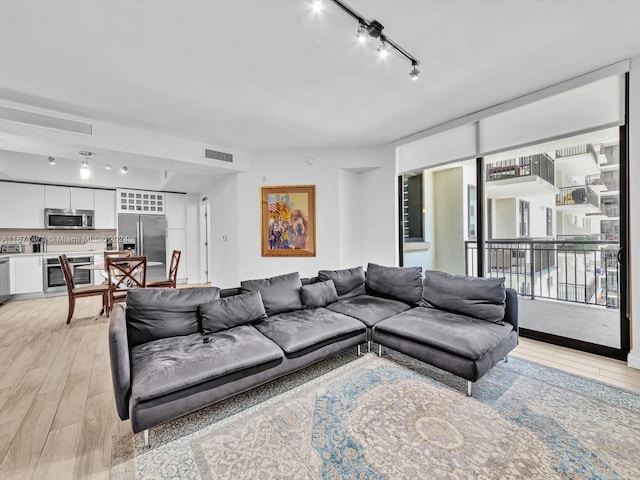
45, 121
215, 155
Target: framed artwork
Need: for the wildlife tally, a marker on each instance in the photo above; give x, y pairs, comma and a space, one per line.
289, 221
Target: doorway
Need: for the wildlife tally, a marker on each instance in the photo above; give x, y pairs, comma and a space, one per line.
205, 239
556, 234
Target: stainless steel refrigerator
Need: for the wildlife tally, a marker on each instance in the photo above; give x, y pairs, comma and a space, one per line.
146, 235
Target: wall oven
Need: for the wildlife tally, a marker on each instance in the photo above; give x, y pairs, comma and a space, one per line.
54, 278
55, 218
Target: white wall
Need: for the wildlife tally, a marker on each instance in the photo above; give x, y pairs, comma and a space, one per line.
505, 221
193, 237
355, 213
634, 204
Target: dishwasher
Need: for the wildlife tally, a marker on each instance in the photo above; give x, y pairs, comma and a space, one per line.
4, 280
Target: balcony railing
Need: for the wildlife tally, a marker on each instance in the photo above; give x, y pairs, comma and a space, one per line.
610, 179
540, 165
579, 271
578, 195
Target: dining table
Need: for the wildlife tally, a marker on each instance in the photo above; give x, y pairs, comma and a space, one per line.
100, 266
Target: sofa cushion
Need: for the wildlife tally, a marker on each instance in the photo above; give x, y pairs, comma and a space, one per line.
172, 364
230, 312
318, 294
279, 294
397, 283
154, 313
349, 282
305, 329
482, 298
368, 309
466, 337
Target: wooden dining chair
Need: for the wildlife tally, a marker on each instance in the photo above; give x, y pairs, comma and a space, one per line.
74, 292
173, 273
123, 274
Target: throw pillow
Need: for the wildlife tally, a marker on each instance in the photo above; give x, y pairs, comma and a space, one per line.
318, 294
482, 298
348, 282
279, 294
154, 313
397, 283
229, 312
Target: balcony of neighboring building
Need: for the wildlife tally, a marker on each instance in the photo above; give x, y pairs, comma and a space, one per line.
606, 182
578, 199
517, 177
579, 160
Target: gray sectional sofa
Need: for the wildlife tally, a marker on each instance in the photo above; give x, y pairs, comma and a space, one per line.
174, 351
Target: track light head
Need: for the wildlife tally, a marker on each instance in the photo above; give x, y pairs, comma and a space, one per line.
383, 49
362, 33
414, 73
316, 6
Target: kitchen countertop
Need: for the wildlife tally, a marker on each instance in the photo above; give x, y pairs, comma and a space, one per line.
53, 254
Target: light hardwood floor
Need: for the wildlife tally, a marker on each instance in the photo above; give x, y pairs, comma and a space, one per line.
57, 412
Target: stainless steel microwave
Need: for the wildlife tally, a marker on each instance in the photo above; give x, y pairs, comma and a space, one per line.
58, 219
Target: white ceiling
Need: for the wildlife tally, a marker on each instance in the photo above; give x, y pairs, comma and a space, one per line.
269, 75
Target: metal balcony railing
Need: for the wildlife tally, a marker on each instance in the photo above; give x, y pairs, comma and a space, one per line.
610, 179
579, 271
577, 150
578, 195
541, 165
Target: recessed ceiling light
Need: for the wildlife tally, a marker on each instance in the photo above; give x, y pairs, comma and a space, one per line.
52, 161
125, 169
316, 5
108, 166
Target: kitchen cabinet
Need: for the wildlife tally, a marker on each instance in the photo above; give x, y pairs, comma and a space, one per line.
176, 210
22, 205
68, 198
56, 197
26, 274
177, 240
105, 209
81, 198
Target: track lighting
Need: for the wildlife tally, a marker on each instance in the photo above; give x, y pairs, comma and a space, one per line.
362, 33
373, 28
414, 73
383, 49
52, 161
316, 6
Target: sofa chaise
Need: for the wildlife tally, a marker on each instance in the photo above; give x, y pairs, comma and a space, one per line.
174, 351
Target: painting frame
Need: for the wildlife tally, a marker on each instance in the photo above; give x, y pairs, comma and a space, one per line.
288, 221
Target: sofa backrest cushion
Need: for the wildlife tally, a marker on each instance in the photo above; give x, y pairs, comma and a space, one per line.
318, 294
348, 282
229, 312
397, 283
279, 294
155, 313
482, 298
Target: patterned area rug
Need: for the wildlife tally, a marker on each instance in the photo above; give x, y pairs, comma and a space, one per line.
396, 418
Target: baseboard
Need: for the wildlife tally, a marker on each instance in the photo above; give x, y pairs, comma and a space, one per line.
633, 360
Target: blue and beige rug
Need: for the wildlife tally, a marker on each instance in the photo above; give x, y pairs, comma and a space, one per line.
376, 418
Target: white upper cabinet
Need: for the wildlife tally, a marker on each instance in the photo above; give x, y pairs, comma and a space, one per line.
68, 198
176, 210
23, 205
81, 198
57, 197
105, 209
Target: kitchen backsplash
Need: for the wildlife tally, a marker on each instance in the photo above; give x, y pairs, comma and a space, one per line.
60, 240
